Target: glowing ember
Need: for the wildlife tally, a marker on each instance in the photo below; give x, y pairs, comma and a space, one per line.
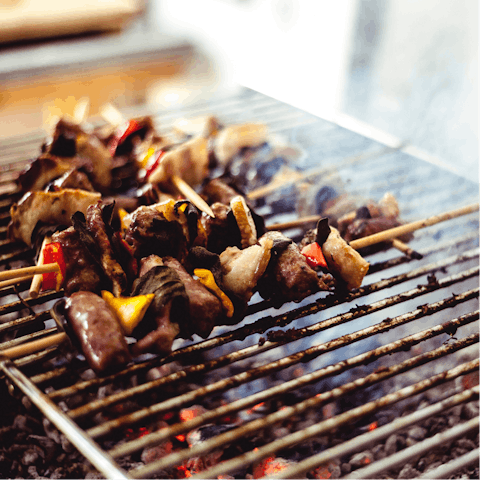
270, 466
373, 426
137, 433
190, 413
255, 407
323, 471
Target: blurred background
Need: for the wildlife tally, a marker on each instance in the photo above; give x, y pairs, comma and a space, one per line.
404, 72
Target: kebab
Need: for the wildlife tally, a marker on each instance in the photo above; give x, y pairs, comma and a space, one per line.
237, 282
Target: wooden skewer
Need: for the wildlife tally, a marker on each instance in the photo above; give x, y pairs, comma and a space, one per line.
29, 271
386, 235
185, 189
13, 281
411, 227
34, 346
404, 248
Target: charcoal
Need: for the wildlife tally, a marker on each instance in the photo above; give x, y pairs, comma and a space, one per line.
408, 472
470, 410
33, 456
391, 445
361, 459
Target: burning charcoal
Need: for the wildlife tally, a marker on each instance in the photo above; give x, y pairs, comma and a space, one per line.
470, 410
391, 445
417, 433
408, 472
270, 466
361, 459
328, 470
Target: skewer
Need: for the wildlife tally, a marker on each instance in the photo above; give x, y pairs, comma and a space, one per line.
29, 271
13, 281
34, 346
185, 189
389, 234
37, 279
404, 248
111, 115
411, 227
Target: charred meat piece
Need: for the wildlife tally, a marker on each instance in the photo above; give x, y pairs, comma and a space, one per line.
222, 230
98, 331
41, 171
168, 314
95, 231
217, 190
205, 307
82, 150
82, 271
54, 208
288, 277
150, 233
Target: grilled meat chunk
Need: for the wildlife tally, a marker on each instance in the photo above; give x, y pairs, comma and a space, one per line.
205, 307
242, 269
82, 271
150, 233
41, 171
96, 225
288, 277
98, 331
54, 208
343, 260
167, 315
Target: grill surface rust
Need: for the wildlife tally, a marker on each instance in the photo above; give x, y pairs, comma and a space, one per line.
406, 341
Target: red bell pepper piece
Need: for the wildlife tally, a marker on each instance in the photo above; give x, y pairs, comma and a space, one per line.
314, 255
131, 127
53, 253
154, 165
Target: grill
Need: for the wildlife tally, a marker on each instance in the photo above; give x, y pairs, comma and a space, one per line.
400, 350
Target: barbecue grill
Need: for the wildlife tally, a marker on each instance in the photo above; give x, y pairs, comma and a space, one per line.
310, 384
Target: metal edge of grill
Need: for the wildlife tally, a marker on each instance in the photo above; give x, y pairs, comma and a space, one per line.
320, 329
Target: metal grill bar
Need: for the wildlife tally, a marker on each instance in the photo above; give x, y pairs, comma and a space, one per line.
445, 471
286, 387
318, 429
373, 437
377, 169
306, 355
76, 435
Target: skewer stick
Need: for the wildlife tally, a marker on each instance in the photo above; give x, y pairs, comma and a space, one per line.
37, 279
411, 227
34, 346
29, 271
404, 248
386, 235
185, 189
13, 281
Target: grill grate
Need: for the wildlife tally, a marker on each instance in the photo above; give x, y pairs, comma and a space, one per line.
410, 334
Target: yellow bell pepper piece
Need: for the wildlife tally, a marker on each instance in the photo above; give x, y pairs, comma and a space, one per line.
206, 278
144, 162
129, 310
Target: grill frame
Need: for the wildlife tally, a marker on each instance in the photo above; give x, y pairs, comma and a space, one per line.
304, 130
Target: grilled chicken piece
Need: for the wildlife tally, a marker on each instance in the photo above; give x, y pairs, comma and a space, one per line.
53, 208
288, 277
243, 268
189, 161
230, 140
343, 260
